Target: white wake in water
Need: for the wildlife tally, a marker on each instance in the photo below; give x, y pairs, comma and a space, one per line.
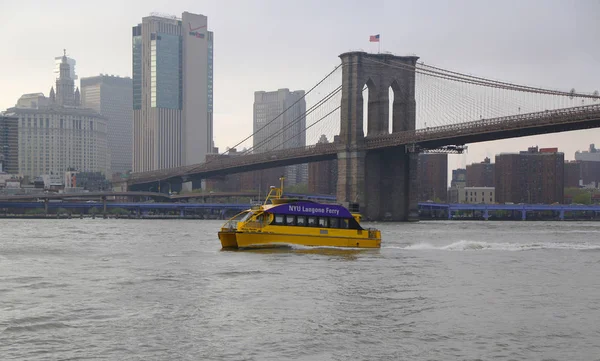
481, 245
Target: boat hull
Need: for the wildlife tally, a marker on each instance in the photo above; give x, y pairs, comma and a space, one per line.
228, 239
262, 239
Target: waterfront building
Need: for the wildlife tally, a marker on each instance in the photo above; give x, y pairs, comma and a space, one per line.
111, 96
172, 91
480, 174
52, 182
473, 195
590, 174
590, 155
60, 135
476, 195
279, 122
532, 176
322, 176
91, 181
9, 144
433, 177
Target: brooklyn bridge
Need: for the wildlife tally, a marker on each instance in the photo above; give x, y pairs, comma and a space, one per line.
381, 110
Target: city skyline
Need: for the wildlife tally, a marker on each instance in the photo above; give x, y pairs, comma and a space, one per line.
533, 51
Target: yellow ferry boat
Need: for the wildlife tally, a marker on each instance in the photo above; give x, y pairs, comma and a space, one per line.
285, 221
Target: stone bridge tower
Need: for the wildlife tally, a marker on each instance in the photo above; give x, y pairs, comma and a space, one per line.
383, 181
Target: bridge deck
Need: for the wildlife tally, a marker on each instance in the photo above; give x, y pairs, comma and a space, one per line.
468, 132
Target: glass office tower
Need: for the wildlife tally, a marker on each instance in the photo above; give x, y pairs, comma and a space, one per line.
172, 92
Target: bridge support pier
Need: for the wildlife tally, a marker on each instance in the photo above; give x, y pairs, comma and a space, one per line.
351, 176
383, 181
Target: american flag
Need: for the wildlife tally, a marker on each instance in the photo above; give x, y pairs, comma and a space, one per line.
374, 38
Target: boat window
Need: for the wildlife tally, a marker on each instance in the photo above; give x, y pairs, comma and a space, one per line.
344, 223
278, 219
353, 224
301, 220
289, 220
240, 216
334, 222
260, 219
246, 217
312, 221
323, 222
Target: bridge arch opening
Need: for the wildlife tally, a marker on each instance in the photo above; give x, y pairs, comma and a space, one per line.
370, 111
397, 108
390, 127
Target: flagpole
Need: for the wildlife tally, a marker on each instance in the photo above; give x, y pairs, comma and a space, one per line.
379, 45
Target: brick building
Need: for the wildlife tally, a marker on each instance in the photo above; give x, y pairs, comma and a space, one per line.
322, 176
258, 180
572, 174
532, 176
481, 174
433, 177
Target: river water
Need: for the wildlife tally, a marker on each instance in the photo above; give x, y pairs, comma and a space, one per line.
163, 290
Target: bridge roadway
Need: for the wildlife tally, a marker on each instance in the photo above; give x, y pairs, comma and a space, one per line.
430, 138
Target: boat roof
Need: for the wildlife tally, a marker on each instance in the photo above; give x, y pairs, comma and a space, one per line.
308, 208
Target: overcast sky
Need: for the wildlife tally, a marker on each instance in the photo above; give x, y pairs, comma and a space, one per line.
266, 45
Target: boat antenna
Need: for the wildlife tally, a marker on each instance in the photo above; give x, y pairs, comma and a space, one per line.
282, 178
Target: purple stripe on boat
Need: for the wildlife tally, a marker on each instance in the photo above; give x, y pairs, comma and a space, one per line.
312, 209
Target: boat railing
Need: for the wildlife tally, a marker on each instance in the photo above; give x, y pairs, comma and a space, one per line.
230, 225
374, 233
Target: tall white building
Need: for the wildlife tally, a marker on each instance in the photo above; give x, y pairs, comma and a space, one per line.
55, 134
274, 130
111, 96
172, 91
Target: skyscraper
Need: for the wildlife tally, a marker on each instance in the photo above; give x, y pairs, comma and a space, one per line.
111, 96
172, 91
275, 129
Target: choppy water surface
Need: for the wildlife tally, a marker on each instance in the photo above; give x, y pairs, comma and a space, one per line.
163, 290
